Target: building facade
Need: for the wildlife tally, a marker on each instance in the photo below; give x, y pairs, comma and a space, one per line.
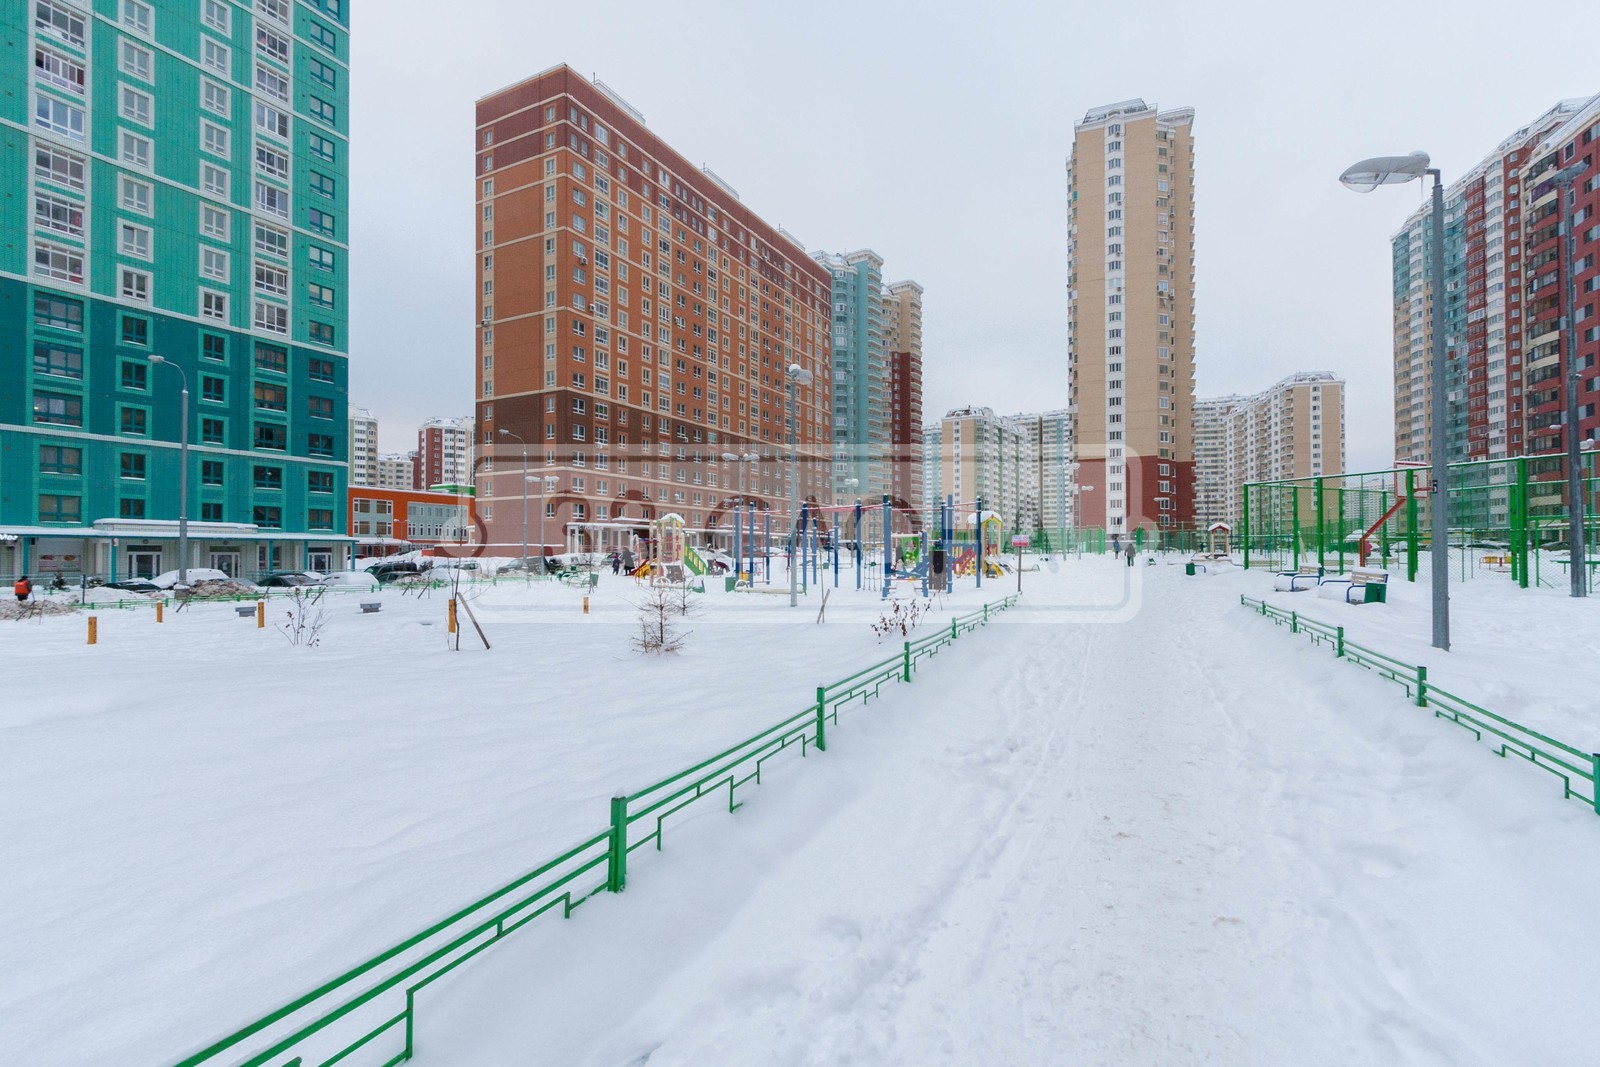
1486, 264
386, 521
974, 454
1294, 429
1131, 305
1054, 478
178, 172
636, 320
363, 447
903, 320
862, 456
444, 453
397, 470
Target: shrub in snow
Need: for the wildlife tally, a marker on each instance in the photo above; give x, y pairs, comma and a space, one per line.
305, 618
901, 618
659, 610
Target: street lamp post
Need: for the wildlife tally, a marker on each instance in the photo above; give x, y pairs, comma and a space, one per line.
738, 516
545, 482
797, 375
1577, 536
183, 473
1366, 176
524, 444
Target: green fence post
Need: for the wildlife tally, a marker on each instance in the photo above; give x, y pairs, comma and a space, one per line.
986, 614
1594, 786
1294, 622
1294, 518
953, 632
1339, 646
1244, 525
1519, 532
1422, 687
1322, 528
1411, 525
617, 868
822, 718
908, 662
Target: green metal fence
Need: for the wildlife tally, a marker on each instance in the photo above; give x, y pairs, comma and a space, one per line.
371, 1008
1512, 738
1507, 519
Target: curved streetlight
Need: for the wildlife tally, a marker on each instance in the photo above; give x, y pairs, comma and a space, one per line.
1364, 177
797, 375
524, 444
545, 483
183, 473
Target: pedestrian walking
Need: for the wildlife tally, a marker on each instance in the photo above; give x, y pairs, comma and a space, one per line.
616, 563
1116, 547
1129, 551
23, 588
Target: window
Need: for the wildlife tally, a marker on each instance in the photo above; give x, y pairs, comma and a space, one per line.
271, 43
136, 105
61, 21
272, 83
271, 279
135, 195
57, 312
210, 511
53, 508
214, 305
323, 36
319, 518
321, 333
321, 295
322, 222
57, 116
268, 518
62, 264
217, 15
272, 358
271, 241
321, 370
323, 111
52, 164
319, 407
135, 422
216, 55
213, 432
270, 120
60, 459
319, 444
214, 139
133, 240
57, 69
135, 376
321, 258
319, 481
213, 263
135, 331
273, 318
322, 72
270, 437
213, 389
213, 346
57, 409
135, 150
213, 97
133, 465
272, 161
136, 16
322, 147
277, 9
61, 361
214, 222
268, 478
323, 185
135, 285
272, 200
59, 214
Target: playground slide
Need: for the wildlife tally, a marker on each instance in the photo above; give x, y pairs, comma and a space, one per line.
641, 571
694, 561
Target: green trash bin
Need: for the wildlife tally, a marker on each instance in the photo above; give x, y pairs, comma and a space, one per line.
1377, 593
1188, 568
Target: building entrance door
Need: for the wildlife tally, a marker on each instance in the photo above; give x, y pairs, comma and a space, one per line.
226, 562
144, 562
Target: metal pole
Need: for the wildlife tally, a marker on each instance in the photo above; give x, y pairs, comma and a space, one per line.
888, 547
183, 485
1576, 534
858, 544
978, 557
1440, 491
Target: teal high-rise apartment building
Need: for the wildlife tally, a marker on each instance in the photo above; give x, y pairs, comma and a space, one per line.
176, 186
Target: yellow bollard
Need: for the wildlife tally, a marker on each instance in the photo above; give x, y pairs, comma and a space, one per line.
452, 615
94, 629
159, 605
586, 603
261, 614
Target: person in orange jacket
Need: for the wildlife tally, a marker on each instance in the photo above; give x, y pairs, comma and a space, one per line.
23, 588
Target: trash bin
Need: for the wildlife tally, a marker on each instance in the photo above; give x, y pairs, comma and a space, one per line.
1188, 568
1377, 593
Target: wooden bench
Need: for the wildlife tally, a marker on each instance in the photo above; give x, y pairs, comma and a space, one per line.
1306, 577
244, 611
1363, 585
372, 607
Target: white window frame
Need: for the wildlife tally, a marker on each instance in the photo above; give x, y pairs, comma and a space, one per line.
134, 284
215, 263
130, 140
217, 14
215, 139
272, 82
271, 318
134, 240
265, 112
213, 305
214, 180
67, 161
48, 219
208, 212
266, 196
71, 26
70, 269
216, 98
267, 279
58, 70
272, 44
266, 155
138, 17
136, 105
143, 202
272, 249
60, 117
211, 51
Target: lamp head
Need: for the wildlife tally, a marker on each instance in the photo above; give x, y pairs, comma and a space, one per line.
158, 359
799, 375
1367, 175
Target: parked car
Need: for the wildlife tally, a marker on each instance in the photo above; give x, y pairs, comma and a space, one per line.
290, 579
388, 572
133, 585
169, 579
362, 580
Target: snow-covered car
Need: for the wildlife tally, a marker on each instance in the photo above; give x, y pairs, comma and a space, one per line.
168, 579
362, 580
291, 579
134, 585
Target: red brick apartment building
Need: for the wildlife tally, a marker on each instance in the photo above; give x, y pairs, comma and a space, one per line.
635, 320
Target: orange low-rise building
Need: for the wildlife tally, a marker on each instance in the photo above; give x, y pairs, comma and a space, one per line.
388, 521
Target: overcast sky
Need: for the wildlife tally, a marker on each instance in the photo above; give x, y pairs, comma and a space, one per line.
937, 135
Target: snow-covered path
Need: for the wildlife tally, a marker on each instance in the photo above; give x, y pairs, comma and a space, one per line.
1184, 838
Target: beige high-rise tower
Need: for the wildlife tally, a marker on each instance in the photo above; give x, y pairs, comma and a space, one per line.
1131, 293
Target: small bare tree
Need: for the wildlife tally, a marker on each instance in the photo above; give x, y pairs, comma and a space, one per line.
901, 618
659, 611
305, 617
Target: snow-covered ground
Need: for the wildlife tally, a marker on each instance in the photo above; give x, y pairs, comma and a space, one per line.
1127, 823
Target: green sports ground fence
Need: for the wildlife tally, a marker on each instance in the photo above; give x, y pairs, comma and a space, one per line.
367, 1014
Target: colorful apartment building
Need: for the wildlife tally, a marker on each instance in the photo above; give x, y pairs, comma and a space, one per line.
635, 322
1131, 305
177, 173
384, 521
903, 328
